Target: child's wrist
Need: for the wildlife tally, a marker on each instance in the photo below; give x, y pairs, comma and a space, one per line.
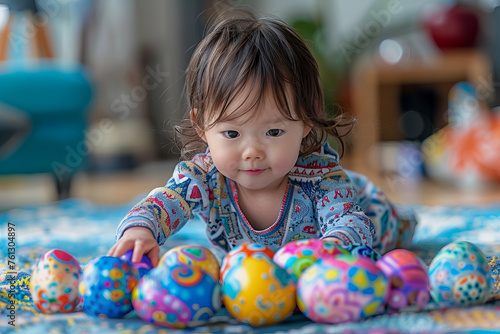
135, 229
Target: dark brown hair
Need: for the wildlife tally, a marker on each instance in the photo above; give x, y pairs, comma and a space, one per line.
241, 50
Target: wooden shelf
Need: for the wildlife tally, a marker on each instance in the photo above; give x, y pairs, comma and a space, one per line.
376, 87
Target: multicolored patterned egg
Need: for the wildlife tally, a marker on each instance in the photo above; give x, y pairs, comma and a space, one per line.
106, 287
54, 282
193, 255
408, 279
142, 267
297, 255
237, 254
257, 291
346, 288
460, 275
176, 296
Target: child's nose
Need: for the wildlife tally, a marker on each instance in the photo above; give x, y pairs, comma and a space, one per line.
253, 152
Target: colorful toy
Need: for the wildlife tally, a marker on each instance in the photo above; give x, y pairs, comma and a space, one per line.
346, 288
176, 296
298, 255
408, 279
106, 287
460, 275
193, 255
54, 283
466, 152
142, 267
243, 251
257, 291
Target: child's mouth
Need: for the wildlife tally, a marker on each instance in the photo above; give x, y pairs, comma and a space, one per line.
254, 172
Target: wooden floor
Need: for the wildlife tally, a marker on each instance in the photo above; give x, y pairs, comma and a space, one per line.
124, 187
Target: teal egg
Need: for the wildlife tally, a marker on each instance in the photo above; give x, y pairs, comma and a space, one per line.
460, 274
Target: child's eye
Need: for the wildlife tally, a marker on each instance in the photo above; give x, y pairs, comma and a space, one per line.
231, 134
274, 132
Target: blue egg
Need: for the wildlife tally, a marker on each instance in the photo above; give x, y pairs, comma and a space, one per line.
460, 275
106, 287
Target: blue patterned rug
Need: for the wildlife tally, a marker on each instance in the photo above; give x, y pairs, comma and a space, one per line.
86, 230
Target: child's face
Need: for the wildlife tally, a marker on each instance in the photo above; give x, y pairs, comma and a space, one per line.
258, 149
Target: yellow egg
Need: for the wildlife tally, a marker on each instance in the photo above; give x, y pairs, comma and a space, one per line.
258, 292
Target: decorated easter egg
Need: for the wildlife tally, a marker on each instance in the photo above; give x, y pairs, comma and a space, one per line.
176, 296
193, 255
237, 254
459, 274
297, 255
54, 282
258, 292
408, 278
346, 288
362, 250
106, 287
142, 267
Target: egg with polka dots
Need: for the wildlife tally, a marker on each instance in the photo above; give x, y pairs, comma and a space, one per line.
106, 287
54, 282
460, 274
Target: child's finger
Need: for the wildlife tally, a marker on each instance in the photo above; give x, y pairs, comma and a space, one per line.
121, 248
139, 250
111, 251
154, 256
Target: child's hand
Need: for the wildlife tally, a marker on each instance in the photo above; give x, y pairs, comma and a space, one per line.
334, 240
141, 240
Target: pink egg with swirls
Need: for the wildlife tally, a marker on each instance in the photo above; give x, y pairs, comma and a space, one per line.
298, 255
346, 288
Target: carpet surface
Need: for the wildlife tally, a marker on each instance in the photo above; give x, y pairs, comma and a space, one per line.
87, 230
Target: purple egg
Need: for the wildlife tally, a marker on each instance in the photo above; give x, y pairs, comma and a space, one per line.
143, 266
408, 278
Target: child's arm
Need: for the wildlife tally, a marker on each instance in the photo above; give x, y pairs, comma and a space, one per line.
339, 215
164, 211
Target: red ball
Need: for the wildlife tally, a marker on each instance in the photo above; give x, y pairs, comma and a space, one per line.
454, 26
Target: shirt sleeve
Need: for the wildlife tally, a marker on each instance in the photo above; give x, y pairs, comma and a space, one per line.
338, 213
166, 210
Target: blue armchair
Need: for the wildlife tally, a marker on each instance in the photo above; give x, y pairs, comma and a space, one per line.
42, 127
44, 102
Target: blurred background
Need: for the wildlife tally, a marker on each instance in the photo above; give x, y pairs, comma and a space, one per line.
90, 91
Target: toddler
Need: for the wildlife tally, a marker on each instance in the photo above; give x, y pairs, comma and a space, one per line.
257, 166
